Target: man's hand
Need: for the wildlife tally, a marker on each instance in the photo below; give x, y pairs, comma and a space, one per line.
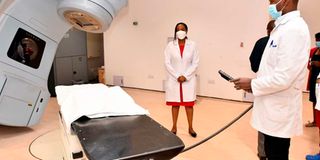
182, 79
242, 83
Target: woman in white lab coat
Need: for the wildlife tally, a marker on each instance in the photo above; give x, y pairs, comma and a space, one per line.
181, 61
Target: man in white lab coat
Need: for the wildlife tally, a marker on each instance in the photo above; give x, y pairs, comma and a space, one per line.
277, 111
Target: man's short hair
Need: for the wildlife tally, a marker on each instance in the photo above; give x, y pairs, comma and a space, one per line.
317, 35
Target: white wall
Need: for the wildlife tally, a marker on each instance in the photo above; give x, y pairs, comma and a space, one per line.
311, 12
218, 27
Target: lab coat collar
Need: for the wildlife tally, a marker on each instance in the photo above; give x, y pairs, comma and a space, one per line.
287, 17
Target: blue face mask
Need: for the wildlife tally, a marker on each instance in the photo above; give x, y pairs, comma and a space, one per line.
318, 44
273, 12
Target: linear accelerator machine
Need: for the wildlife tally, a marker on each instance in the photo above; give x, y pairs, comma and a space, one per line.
30, 31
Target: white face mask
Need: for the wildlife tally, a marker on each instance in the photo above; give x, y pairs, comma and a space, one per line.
181, 35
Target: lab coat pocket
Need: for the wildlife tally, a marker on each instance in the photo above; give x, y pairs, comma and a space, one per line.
169, 85
272, 57
172, 90
277, 107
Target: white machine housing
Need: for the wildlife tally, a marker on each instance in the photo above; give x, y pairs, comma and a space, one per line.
30, 31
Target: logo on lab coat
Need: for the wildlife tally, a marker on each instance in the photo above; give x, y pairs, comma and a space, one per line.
272, 44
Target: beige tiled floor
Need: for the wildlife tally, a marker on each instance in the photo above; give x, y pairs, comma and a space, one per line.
236, 143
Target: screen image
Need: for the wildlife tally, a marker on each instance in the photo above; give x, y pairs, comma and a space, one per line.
26, 48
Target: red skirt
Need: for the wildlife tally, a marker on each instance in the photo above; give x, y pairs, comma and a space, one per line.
187, 104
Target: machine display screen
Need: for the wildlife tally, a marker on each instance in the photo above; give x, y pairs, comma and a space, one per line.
27, 49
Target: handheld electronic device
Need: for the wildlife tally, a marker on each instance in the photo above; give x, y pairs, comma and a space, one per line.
225, 75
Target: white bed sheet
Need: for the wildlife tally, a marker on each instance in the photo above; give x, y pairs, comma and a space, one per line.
95, 101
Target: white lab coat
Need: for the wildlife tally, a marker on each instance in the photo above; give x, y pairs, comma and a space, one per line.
177, 66
318, 94
278, 87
